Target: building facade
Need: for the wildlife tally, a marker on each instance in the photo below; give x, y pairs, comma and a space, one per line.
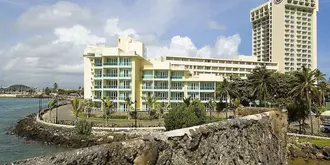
285, 32
124, 71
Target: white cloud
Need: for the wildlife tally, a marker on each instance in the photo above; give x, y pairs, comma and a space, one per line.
215, 25
59, 14
77, 35
225, 48
111, 28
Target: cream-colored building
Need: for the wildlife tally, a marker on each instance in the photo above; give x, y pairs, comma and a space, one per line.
285, 31
124, 71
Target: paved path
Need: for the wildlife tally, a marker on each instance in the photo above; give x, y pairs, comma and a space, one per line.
64, 113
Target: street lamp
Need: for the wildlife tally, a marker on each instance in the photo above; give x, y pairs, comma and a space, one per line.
135, 113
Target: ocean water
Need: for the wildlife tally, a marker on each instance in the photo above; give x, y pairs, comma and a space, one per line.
15, 148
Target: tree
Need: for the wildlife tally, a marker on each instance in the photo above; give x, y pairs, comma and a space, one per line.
107, 104
306, 88
212, 104
236, 104
77, 106
224, 91
182, 116
55, 86
51, 106
262, 82
151, 101
187, 101
47, 91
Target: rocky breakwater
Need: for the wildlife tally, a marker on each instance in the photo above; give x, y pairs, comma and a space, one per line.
256, 139
30, 129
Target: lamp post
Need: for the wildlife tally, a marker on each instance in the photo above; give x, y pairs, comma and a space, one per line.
135, 113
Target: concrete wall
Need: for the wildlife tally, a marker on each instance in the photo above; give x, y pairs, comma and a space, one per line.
255, 139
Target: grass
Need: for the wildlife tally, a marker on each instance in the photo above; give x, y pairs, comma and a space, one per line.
302, 161
318, 142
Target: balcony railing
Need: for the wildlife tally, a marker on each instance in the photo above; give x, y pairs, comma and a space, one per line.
161, 87
110, 63
207, 88
161, 76
124, 86
177, 88
98, 64
176, 77
177, 98
98, 75
97, 97
110, 75
193, 88
125, 63
110, 86
147, 76
206, 98
147, 87
125, 75
97, 87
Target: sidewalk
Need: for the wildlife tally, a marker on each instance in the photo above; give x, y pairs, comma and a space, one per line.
64, 113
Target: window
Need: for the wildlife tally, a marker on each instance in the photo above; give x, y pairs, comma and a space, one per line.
177, 85
125, 61
193, 85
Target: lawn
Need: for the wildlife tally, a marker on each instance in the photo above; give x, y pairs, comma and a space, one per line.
302, 161
318, 142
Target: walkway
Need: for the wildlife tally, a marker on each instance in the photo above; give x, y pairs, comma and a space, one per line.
64, 113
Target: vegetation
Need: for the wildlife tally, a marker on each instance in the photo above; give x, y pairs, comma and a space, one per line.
107, 105
83, 127
318, 142
151, 103
185, 116
51, 105
226, 91
77, 106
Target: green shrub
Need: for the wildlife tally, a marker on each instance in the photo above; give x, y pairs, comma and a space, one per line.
118, 117
83, 127
182, 116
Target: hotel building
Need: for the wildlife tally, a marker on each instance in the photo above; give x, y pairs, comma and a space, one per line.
124, 71
285, 32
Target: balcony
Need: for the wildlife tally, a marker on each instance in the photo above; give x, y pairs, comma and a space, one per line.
177, 88
176, 77
110, 86
97, 87
161, 87
98, 75
110, 75
161, 77
147, 87
110, 64
147, 77
125, 75
125, 63
124, 87
207, 88
98, 64
97, 97
206, 98
176, 98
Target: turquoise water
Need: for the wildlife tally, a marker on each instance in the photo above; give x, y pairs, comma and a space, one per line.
14, 148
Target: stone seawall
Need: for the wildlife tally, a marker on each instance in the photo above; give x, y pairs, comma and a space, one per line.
255, 139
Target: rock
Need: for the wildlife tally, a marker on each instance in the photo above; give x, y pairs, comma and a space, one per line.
99, 140
319, 155
110, 137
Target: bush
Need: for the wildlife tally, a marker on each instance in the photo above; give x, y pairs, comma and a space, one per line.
83, 127
183, 116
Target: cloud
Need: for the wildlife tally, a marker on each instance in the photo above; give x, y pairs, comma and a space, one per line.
77, 35
60, 14
224, 47
215, 25
111, 28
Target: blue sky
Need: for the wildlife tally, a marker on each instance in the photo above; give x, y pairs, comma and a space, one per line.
41, 39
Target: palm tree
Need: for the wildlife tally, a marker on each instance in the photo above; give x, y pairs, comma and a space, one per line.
77, 106
262, 82
212, 105
129, 103
306, 88
51, 106
224, 91
236, 104
187, 101
150, 100
108, 104
55, 86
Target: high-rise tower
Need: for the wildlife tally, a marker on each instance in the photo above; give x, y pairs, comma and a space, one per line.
285, 31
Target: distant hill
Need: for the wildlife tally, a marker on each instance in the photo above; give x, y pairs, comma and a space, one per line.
18, 88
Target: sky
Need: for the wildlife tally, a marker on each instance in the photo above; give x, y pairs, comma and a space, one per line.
42, 41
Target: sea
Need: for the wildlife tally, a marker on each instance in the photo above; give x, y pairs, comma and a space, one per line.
16, 148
